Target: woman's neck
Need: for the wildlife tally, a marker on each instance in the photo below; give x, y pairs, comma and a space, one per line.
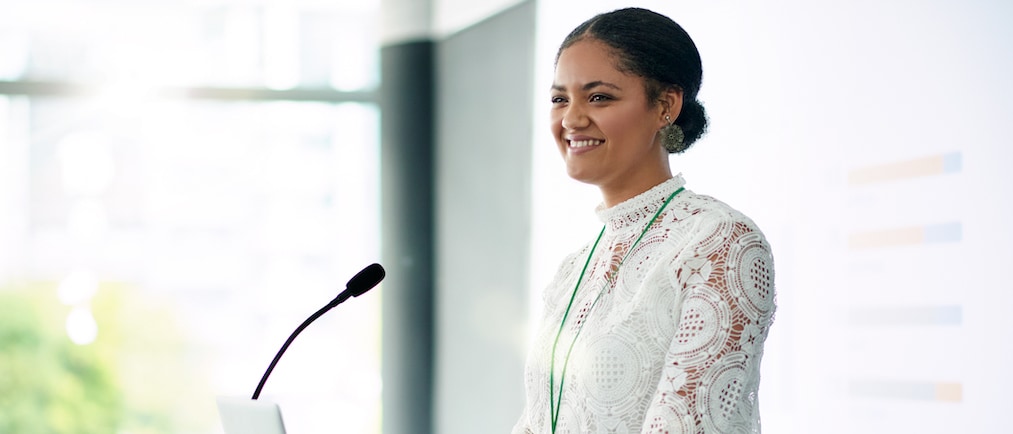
615, 194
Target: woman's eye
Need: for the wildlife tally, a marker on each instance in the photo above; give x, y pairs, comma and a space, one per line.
599, 98
558, 100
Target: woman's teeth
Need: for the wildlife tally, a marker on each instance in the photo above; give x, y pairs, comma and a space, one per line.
585, 143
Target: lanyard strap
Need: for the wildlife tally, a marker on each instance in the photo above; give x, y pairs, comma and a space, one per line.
555, 402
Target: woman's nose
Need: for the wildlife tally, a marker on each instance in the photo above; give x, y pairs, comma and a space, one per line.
574, 117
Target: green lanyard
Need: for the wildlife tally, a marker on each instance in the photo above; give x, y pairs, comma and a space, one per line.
554, 401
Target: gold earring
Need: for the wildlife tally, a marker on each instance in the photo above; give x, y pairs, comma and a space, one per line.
674, 139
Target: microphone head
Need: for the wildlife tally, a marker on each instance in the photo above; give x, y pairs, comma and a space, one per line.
365, 280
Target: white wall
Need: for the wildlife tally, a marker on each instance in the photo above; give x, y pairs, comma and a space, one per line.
451, 16
805, 98
405, 20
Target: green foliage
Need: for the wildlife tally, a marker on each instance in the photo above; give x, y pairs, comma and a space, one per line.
140, 375
47, 383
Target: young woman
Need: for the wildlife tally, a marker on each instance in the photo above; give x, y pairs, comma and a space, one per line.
658, 323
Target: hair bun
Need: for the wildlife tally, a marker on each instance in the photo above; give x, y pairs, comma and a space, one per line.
693, 121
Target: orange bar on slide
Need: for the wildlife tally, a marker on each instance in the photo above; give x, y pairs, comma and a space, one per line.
907, 390
886, 238
933, 165
950, 392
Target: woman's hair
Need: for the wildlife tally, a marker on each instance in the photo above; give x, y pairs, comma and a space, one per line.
652, 46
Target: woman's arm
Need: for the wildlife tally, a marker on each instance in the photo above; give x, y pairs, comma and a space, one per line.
711, 372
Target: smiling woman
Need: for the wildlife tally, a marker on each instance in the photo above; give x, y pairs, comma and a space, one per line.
658, 324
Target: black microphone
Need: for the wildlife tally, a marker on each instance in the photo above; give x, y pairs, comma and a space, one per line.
360, 283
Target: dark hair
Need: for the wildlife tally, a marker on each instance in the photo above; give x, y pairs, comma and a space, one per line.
652, 46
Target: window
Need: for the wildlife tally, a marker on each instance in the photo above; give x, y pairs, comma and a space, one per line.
182, 185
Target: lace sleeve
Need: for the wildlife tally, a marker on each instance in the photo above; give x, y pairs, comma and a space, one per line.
711, 373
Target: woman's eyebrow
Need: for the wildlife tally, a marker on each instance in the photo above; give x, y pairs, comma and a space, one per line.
588, 86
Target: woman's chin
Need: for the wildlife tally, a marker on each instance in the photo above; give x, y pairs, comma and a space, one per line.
581, 174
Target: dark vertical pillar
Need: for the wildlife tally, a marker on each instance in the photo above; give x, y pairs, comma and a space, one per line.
485, 77
407, 209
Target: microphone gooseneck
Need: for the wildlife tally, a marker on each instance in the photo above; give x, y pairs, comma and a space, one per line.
363, 281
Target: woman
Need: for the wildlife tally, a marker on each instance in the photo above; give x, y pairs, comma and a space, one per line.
658, 324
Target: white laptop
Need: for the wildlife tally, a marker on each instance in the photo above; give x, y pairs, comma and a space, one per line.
249, 416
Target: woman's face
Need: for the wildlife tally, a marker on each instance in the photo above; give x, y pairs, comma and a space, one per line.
606, 130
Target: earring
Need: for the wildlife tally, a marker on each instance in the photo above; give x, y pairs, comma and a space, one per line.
674, 139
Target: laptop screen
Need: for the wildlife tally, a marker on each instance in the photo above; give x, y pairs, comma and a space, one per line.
248, 416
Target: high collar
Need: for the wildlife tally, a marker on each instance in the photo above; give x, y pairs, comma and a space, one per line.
634, 212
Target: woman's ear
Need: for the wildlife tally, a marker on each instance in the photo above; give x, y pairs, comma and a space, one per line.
671, 104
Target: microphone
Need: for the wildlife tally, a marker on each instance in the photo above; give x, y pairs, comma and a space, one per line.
360, 283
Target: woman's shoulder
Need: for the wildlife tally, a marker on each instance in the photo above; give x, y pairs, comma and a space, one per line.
564, 272
701, 210
703, 220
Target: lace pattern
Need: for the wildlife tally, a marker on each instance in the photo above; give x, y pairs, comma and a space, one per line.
675, 341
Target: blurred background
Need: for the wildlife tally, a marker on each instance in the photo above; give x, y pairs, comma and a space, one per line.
172, 208
183, 182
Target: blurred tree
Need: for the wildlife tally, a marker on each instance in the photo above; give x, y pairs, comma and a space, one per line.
140, 375
47, 383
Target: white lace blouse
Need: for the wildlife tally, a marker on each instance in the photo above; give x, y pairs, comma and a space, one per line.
674, 344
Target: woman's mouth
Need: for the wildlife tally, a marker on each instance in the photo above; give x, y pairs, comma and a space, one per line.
584, 143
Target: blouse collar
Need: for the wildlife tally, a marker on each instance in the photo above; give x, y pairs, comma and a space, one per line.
634, 211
